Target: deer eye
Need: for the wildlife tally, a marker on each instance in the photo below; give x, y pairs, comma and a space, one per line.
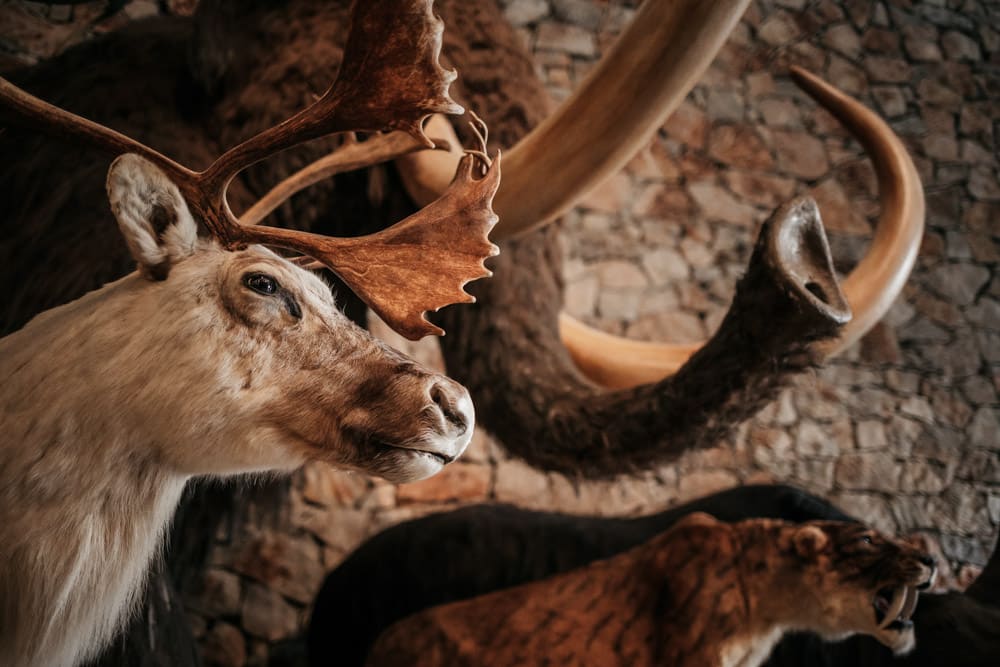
261, 283
866, 539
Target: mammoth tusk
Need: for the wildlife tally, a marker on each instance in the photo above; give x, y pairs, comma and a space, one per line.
877, 280
648, 72
870, 289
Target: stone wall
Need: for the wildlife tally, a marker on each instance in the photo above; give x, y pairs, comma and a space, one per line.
901, 430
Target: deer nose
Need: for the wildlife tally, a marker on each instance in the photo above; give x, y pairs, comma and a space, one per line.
454, 402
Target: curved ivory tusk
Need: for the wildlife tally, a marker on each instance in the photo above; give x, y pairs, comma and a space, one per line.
870, 289
619, 363
873, 285
615, 111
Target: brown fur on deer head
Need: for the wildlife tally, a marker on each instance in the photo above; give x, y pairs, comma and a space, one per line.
263, 342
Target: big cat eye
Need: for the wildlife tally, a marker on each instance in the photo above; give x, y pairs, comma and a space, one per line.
261, 283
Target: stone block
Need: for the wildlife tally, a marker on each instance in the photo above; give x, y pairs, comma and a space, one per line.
698, 483
565, 37
525, 12
800, 154
325, 485
458, 481
224, 646
267, 615
868, 471
217, 593
290, 566
740, 146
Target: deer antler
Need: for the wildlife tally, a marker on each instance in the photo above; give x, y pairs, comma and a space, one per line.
390, 79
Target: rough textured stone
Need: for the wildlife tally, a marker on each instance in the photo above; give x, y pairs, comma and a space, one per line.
779, 30
739, 146
960, 283
578, 12
887, 70
871, 435
868, 471
523, 12
959, 47
843, 38
218, 594
267, 615
700, 483
568, 38
621, 274
224, 647
812, 439
717, 204
924, 477
286, 565
725, 105
688, 125
324, 485
458, 481
891, 100
338, 527
800, 154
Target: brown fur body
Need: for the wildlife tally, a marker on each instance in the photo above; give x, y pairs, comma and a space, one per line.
702, 594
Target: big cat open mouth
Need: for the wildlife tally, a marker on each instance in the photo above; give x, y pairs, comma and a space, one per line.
894, 607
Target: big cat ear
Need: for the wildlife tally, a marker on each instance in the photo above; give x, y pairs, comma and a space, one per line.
152, 215
810, 541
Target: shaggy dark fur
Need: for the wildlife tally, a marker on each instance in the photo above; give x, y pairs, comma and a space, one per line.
482, 548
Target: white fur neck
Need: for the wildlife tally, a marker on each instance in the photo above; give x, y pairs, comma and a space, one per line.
83, 503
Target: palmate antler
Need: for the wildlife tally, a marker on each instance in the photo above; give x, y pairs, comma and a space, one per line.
390, 79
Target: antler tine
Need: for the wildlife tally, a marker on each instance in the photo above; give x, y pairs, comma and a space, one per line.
482, 132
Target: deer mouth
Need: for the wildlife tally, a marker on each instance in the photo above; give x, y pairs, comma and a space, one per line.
407, 462
441, 458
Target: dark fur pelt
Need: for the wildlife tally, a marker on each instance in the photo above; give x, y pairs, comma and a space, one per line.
482, 548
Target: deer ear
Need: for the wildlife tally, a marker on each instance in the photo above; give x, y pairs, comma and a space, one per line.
152, 214
810, 541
